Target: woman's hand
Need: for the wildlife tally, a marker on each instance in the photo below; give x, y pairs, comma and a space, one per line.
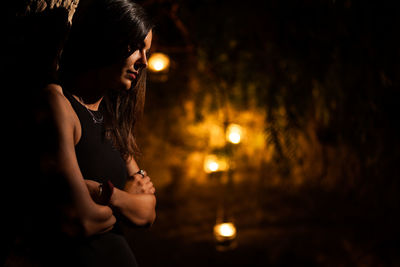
94, 190
136, 201
140, 184
100, 193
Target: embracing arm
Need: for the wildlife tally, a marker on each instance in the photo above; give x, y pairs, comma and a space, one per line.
137, 201
137, 208
93, 218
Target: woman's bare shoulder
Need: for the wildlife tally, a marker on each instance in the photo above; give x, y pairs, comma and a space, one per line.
53, 90
61, 110
57, 102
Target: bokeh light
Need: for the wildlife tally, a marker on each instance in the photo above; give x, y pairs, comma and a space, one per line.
159, 62
234, 134
225, 230
214, 164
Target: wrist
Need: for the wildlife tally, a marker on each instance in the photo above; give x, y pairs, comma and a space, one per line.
105, 192
114, 197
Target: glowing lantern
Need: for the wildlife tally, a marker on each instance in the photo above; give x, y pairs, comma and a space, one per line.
213, 164
225, 235
234, 133
225, 231
158, 62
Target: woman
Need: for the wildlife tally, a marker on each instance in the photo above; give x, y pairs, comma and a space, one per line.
94, 108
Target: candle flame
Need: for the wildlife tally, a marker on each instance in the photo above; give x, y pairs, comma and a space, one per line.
234, 133
225, 230
158, 62
213, 164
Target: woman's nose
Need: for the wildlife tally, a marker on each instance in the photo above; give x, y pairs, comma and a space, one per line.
145, 63
143, 60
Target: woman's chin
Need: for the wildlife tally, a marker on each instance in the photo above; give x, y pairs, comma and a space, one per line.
126, 85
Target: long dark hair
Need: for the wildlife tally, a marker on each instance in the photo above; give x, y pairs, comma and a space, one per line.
105, 32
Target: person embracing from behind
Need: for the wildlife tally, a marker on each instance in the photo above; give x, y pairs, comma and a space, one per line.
94, 107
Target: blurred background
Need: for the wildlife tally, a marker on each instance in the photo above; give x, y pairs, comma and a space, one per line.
270, 131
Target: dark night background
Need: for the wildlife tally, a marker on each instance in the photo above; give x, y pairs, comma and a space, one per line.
314, 84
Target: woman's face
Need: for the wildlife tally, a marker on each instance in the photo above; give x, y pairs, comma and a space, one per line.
123, 75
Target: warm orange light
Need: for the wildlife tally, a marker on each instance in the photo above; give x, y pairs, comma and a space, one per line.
158, 62
225, 231
213, 164
234, 133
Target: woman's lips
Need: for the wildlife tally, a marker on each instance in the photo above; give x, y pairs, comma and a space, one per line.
132, 76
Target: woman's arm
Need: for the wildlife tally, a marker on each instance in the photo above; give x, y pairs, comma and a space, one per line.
137, 208
94, 218
137, 201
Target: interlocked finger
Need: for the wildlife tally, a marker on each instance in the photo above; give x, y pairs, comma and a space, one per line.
142, 173
144, 180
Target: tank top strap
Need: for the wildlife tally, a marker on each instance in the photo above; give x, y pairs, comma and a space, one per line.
78, 107
84, 114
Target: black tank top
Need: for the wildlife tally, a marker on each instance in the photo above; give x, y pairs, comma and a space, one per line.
99, 161
97, 158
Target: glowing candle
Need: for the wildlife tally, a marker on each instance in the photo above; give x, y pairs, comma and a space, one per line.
158, 62
234, 133
225, 231
214, 164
